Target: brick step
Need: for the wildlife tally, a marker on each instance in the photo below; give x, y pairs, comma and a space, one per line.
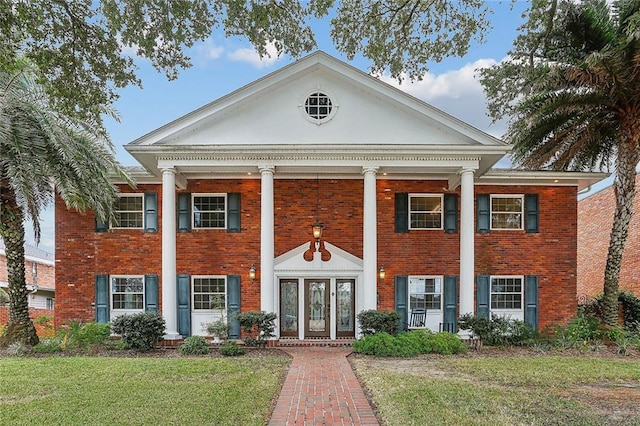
315, 342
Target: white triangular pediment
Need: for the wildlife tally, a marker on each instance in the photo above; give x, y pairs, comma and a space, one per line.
341, 261
271, 111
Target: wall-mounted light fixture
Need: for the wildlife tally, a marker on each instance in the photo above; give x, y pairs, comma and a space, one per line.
252, 273
382, 273
317, 231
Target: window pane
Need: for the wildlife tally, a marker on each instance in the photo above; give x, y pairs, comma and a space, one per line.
209, 294
127, 293
128, 212
209, 212
506, 293
425, 212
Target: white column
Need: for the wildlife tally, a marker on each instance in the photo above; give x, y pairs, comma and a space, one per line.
370, 240
467, 252
169, 289
267, 295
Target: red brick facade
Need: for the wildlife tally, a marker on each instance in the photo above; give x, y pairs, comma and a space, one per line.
595, 218
550, 254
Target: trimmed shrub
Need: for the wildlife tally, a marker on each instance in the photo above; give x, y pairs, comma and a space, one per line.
194, 345
373, 321
140, 331
409, 344
630, 310
258, 326
231, 348
498, 331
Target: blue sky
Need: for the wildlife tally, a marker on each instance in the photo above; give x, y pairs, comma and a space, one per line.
222, 65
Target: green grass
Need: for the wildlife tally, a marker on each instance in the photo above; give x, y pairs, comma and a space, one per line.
507, 390
138, 391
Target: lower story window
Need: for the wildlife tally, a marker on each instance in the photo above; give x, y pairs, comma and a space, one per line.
506, 293
209, 293
425, 293
49, 303
127, 292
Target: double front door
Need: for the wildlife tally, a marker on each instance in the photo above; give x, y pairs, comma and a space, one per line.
317, 308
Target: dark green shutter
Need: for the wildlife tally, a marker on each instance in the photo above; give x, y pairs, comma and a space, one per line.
233, 305
531, 213
450, 304
531, 300
402, 212
482, 296
484, 212
184, 305
151, 293
102, 298
233, 212
150, 212
184, 212
450, 213
402, 297
101, 226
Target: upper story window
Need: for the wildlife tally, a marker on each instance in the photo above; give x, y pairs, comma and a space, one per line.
506, 293
507, 211
209, 211
209, 293
425, 211
128, 211
127, 293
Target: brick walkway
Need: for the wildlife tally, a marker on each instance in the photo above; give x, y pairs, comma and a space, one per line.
321, 389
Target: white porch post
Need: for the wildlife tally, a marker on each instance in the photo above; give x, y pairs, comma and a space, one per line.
169, 289
467, 252
370, 240
267, 302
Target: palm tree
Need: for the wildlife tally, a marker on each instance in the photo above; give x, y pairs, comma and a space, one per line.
579, 104
43, 153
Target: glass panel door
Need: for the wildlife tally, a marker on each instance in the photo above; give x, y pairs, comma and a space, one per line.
289, 307
345, 305
317, 308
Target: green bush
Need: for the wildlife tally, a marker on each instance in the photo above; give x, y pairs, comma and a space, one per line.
194, 345
48, 346
77, 335
582, 329
409, 344
4, 297
231, 348
498, 331
630, 310
373, 321
43, 320
446, 344
140, 331
258, 326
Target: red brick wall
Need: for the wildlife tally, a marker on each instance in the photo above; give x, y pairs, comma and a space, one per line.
551, 254
46, 275
33, 313
595, 219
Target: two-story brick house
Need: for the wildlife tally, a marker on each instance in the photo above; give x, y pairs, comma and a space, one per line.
221, 220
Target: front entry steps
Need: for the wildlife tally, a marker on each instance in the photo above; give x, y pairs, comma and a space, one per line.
345, 342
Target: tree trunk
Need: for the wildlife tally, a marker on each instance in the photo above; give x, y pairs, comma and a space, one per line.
625, 191
20, 326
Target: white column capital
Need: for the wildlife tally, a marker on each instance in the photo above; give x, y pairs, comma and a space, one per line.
370, 170
266, 169
467, 170
171, 170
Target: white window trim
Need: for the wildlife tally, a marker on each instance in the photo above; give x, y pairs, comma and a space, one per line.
193, 210
522, 285
419, 195
426, 277
142, 212
332, 113
111, 293
226, 298
521, 197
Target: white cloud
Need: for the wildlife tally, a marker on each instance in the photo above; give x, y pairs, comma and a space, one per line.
207, 51
456, 92
252, 57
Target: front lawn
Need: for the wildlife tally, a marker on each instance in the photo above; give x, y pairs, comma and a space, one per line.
139, 391
503, 390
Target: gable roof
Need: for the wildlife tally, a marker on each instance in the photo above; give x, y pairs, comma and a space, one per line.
265, 122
